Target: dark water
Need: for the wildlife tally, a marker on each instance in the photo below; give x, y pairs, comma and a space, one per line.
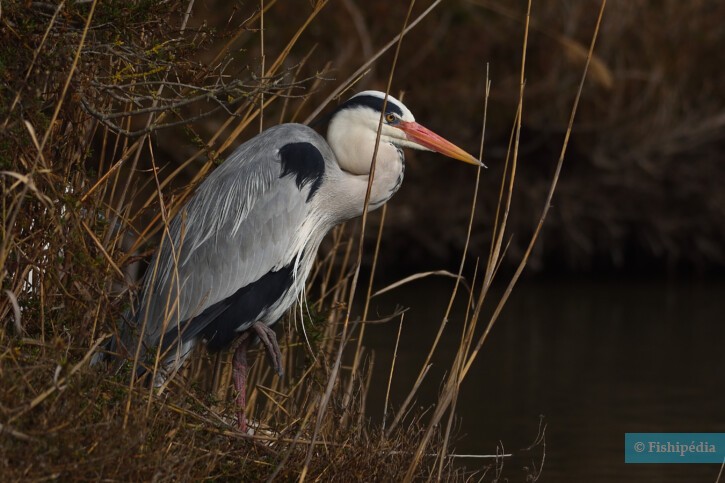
595, 359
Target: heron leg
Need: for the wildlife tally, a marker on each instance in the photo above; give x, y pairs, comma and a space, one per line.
240, 367
269, 339
239, 371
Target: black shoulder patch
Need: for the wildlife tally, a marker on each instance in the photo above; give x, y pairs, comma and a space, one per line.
373, 102
305, 162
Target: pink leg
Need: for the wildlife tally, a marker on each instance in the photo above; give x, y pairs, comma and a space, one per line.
240, 369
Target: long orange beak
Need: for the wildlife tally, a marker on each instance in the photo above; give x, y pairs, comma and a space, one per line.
430, 140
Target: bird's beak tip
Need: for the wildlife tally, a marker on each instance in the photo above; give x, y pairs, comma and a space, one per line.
432, 141
462, 155
475, 161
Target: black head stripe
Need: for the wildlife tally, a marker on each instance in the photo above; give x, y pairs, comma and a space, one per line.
373, 102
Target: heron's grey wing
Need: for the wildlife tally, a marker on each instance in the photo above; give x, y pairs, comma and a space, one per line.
243, 224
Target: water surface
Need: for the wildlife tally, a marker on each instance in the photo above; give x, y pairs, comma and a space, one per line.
596, 360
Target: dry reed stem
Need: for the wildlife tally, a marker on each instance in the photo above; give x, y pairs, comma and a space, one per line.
459, 277
58, 383
450, 389
452, 384
280, 400
36, 52
335, 368
464, 345
74, 64
219, 56
549, 197
354, 77
358, 349
392, 370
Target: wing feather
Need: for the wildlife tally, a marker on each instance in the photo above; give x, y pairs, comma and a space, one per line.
241, 224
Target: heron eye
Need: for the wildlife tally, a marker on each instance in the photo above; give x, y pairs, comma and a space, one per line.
391, 118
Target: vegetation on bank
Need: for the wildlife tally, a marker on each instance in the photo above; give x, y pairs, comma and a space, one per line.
91, 94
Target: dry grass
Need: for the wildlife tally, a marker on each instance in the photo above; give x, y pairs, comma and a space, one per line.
88, 86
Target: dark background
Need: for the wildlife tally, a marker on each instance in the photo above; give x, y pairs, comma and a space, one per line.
641, 190
617, 323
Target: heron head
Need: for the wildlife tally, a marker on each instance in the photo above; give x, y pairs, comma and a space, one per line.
358, 119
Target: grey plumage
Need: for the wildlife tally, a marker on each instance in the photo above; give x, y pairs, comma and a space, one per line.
245, 220
236, 256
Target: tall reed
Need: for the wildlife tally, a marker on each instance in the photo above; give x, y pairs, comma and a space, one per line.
85, 193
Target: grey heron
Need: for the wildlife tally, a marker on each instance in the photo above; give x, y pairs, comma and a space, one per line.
236, 256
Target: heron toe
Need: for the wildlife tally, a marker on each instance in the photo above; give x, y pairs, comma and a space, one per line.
269, 339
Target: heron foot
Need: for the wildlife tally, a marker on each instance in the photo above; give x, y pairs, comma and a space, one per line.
269, 339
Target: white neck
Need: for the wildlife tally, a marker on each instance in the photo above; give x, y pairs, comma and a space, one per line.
351, 136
